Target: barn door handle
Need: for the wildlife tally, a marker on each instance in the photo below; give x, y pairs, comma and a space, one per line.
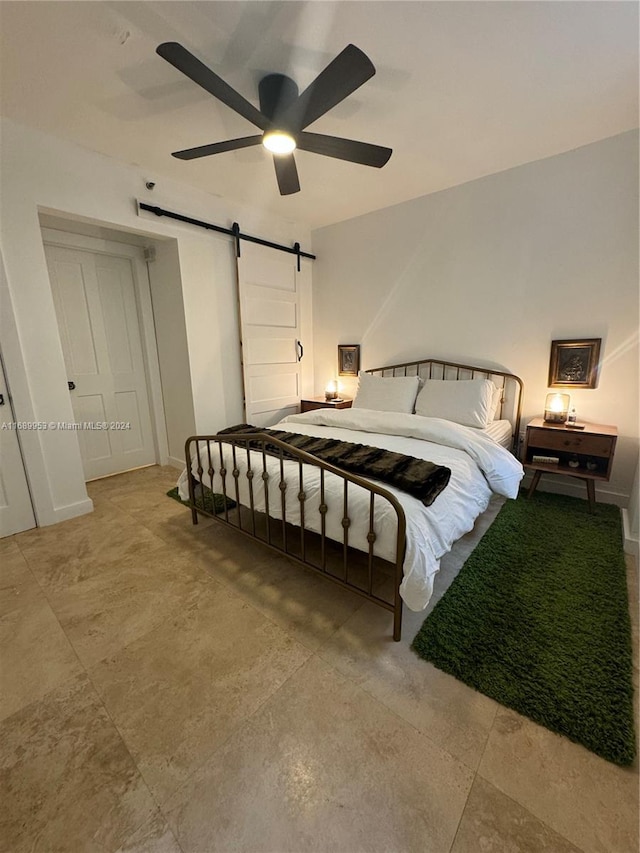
301, 353
72, 386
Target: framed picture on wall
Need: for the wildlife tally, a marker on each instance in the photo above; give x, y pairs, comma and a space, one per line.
574, 364
348, 359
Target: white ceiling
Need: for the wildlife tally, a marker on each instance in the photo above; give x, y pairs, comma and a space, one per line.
462, 90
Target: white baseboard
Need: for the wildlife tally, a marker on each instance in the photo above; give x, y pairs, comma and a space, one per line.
631, 542
64, 513
176, 463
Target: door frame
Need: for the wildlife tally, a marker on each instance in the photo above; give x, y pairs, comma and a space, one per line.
144, 305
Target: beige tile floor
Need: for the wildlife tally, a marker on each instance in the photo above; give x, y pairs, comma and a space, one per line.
172, 688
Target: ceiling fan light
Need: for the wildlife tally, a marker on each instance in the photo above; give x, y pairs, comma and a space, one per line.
279, 142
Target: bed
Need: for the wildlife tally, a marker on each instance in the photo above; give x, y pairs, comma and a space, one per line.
364, 534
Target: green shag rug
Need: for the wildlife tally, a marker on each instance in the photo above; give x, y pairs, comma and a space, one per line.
205, 499
538, 619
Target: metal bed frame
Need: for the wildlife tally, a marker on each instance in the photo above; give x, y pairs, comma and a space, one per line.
364, 574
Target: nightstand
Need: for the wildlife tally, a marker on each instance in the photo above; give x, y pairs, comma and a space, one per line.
557, 449
321, 403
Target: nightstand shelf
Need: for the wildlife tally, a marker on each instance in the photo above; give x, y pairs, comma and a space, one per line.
312, 403
590, 449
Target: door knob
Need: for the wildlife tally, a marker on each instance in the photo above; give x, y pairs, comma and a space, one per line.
72, 386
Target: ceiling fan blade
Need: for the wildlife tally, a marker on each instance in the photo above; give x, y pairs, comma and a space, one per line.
186, 62
344, 149
346, 73
286, 173
217, 147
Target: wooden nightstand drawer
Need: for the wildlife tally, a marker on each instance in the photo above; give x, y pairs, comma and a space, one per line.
572, 442
321, 403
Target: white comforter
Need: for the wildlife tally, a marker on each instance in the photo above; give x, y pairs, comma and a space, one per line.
478, 467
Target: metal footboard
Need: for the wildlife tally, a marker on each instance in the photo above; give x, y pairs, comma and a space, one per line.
254, 476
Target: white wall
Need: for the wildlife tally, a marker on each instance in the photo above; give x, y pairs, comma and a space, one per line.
631, 518
490, 272
42, 173
173, 347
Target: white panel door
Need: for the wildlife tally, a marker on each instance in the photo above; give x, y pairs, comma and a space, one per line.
16, 511
270, 329
95, 301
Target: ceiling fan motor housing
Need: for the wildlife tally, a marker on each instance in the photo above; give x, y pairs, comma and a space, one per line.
276, 93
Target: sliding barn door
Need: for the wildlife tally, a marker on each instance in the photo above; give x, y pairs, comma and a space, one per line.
272, 351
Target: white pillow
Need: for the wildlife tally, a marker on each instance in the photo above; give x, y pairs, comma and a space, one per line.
466, 401
386, 393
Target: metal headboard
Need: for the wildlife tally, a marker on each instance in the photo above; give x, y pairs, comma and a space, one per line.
432, 368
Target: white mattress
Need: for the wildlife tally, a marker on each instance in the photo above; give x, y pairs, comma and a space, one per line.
500, 431
478, 466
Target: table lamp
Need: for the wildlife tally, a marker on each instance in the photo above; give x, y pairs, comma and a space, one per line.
556, 408
331, 391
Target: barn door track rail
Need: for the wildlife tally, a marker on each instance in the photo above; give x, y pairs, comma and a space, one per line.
234, 232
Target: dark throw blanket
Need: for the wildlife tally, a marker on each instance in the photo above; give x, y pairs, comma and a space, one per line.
419, 478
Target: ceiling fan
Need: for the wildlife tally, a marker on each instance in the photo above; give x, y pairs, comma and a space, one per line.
284, 114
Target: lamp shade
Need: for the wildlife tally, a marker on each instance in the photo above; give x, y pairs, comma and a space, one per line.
331, 391
556, 408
